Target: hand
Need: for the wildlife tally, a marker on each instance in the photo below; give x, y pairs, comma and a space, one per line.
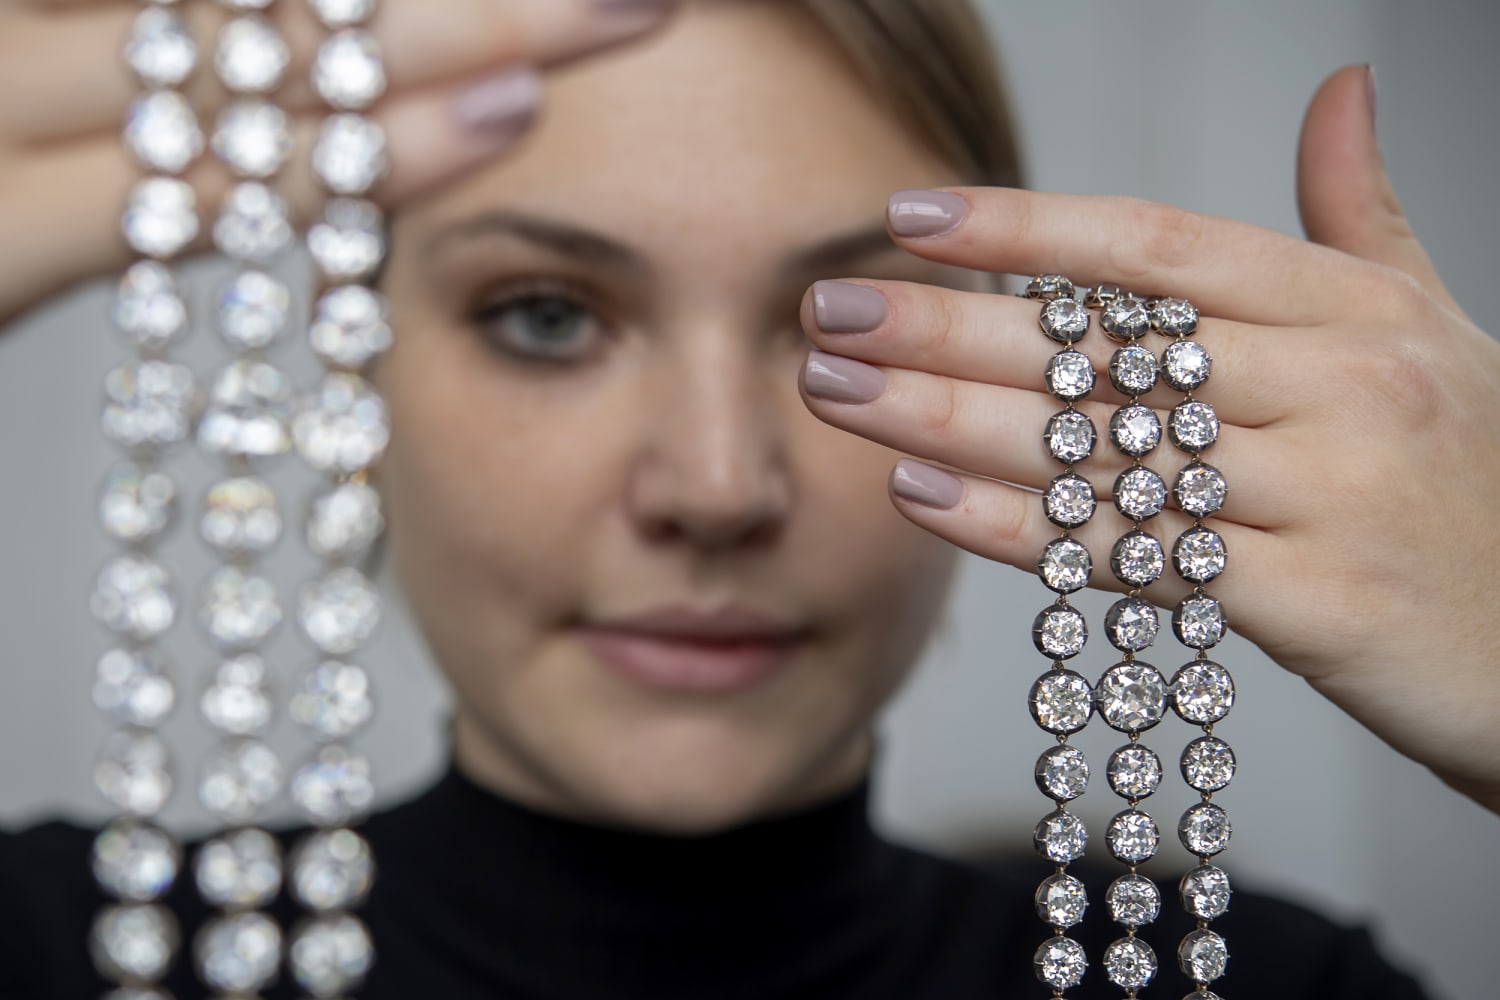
460, 90
1359, 407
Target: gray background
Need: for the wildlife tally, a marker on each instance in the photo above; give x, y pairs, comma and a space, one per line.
1323, 811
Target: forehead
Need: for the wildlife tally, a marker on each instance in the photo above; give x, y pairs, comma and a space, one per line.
742, 118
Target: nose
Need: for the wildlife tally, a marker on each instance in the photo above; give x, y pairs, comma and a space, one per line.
711, 468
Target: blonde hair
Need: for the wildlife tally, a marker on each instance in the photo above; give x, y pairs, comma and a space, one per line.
935, 60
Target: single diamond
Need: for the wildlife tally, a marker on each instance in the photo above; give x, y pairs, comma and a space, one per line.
1132, 370
138, 504
330, 954
339, 610
332, 870
1135, 429
1204, 829
1137, 559
239, 779
351, 328
1125, 318
1062, 773
253, 224
240, 517
1199, 621
1140, 494
1202, 956
1070, 375
1069, 500
162, 131
1065, 320
161, 216
134, 687
343, 522
252, 56
1200, 490
1060, 632
240, 869
1060, 837
1047, 287
239, 700
349, 243
1208, 764
1134, 771
133, 598
1193, 426
342, 428
149, 308
1132, 836
1199, 555
134, 941
1174, 317
334, 788
161, 48
134, 771
1070, 436
350, 156
253, 138
1186, 365
238, 609
342, 13
1202, 692
1061, 702
149, 406
334, 700
248, 412
135, 861
1205, 892
1061, 900
1130, 963
1134, 900
1065, 565
348, 71
1131, 696
1131, 624
1060, 963
253, 311
238, 952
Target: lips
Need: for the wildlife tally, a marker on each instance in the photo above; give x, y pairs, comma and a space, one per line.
684, 649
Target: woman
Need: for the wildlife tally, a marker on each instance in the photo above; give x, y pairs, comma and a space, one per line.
670, 600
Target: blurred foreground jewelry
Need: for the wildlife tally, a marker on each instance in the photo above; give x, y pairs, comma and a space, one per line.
1202, 691
1061, 700
1132, 695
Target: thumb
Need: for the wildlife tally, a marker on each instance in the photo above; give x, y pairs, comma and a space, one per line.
1343, 193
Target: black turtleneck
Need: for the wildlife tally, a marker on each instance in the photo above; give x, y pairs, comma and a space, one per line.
479, 897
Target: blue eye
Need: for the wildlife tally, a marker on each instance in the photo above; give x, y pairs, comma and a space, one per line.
543, 326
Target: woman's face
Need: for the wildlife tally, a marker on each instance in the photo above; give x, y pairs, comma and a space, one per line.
596, 417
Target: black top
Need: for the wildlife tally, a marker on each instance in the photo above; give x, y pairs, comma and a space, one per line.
480, 897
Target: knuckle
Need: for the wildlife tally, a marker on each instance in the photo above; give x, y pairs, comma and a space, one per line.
942, 414
1163, 236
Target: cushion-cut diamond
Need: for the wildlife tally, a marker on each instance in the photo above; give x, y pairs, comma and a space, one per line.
1131, 696
1137, 559
1132, 836
1134, 771
339, 610
344, 522
1060, 837
1132, 370
149, 405
1174, 317
240, 517
1200, 490
342, 13
1125, 318
134, 771
330, 954
252, 56
1199, 555
253, 311
1061, 900
239, 778
1130, 963
349, 157
343, 427
239, 869
1065, 565
1205, 892
1135, 429
1062, 773
238, 952
335, 787
1060, 963
1131, 624
1065, 320
1208, 764
1134, 900
249, 407
1202, 692
252, 136
350, 329
1070, 375
1199, 621
134, 687
134, 941
1069, 500
1047, 287
1193, 426
1061, 702
1186, 365
1140, 494
239, 699
332, 869
161, 216
138, 504
162, 131
333, 701
349, 243
149, 308
133, 598
1060, 632
135, 861
348, 71
160, 48
238, 610
1204, 829
1202, 956
1070, 436
253, 224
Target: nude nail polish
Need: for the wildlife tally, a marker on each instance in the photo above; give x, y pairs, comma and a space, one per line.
503, 104
843, 307
927, 485
842, 380
925, 213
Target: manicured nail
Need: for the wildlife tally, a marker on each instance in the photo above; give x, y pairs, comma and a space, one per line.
926, 485
925, 213
502, 105
1370, 93
841, 307
842, 380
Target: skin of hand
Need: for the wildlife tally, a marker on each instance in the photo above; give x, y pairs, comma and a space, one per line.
1359, 405
461, 88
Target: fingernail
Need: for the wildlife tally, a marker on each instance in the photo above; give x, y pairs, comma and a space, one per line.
925, 213
1370, 93
501, 105
842, 307
842, 380
926, 485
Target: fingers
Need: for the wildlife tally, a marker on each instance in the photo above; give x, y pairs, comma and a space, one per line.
1228, 269
997, 432
997, 339
66, 58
